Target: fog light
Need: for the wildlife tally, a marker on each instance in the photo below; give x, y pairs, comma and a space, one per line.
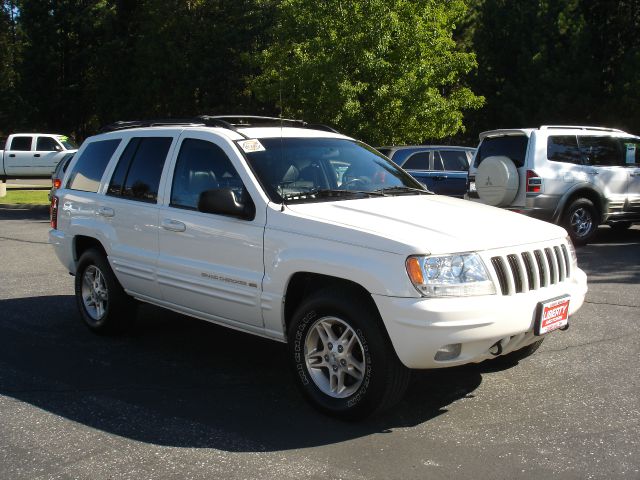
448, 352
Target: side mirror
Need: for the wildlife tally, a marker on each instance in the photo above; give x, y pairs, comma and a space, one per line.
222, 201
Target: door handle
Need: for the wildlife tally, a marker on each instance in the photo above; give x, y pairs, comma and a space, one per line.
592, 172
173, 225
36, 154
106, 212
12, 154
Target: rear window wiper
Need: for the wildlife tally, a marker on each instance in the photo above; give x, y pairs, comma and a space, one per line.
401, 189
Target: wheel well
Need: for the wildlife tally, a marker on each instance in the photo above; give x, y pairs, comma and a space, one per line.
82, 244
589, 195
302, 284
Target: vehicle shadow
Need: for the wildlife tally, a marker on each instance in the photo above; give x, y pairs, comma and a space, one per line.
622, 251
176, 381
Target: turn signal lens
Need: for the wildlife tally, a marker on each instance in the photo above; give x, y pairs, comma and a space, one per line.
56, 183
414, 270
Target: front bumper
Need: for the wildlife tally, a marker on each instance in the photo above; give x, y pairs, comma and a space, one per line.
419, 327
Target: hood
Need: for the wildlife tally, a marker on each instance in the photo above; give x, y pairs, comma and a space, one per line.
430, 224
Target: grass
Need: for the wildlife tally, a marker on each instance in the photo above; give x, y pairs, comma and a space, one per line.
33, 197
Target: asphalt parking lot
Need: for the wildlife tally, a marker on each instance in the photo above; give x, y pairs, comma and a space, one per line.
178, 398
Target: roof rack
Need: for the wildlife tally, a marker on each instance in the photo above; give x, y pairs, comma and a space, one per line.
579, 127
230, 122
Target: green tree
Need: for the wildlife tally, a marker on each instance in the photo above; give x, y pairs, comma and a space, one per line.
388, 71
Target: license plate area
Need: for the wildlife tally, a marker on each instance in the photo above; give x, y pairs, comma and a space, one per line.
552, 315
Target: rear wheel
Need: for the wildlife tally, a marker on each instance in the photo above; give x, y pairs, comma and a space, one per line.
103, 304
581, 221
344, 364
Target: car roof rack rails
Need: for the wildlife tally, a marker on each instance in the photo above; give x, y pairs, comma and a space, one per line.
125, 125
257, 120
581, 127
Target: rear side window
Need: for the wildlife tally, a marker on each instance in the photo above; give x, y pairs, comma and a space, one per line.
564, 148
417, 161
454, 160
21, 144
88, 170
137, 175
47, 144
603, 151
512, 146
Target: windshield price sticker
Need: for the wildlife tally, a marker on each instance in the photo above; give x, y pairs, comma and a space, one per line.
250, 146
552, 315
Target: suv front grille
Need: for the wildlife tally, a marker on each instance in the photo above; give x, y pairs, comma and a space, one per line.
531, 270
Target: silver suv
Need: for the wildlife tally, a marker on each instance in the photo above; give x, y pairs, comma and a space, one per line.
578, 177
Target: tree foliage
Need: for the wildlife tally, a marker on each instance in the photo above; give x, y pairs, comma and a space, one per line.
387, 71
556, 62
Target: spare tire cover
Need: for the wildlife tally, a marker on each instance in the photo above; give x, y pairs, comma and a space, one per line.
497, 181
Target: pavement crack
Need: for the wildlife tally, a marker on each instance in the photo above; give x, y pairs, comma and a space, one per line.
594, 342
612, 304
23, 241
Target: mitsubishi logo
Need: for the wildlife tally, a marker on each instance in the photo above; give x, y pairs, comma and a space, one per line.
488, 184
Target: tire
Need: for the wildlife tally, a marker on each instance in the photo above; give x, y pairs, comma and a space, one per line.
581, 221
620, 226
347, 334
497, 181
103, 304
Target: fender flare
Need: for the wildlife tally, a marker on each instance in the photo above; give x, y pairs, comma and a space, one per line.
602, 204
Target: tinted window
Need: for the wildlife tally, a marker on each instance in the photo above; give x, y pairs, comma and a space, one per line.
202, 166
88, 170
21, 143
120, 173
143, 160
455, 160
512, 146
602, 150
418, 161
564, 148
47, 144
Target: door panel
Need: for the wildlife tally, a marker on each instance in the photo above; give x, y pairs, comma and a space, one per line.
210, 264
19, 158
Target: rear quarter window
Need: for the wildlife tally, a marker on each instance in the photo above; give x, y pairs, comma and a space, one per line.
87, 171
512, 146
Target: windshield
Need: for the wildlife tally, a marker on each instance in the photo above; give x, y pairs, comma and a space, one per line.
67, 142
320, 169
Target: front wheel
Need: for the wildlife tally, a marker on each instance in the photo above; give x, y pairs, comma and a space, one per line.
343, 362
581, 221
103, 304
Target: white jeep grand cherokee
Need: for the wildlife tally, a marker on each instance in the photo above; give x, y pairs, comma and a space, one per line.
308, 237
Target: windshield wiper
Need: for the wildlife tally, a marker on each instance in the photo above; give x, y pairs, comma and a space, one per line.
402, 189
329, 193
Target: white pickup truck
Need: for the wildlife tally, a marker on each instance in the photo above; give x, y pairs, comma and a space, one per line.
33, 155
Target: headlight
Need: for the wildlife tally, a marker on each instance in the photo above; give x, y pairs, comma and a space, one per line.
460, 275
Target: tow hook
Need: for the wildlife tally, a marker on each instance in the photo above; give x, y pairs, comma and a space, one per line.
496, 348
